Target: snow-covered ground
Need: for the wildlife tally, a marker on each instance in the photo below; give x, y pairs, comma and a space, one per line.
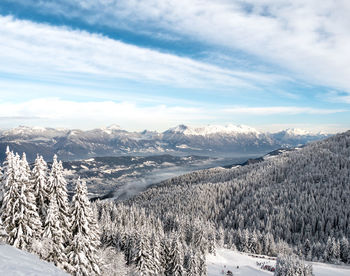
15, 262
229, 260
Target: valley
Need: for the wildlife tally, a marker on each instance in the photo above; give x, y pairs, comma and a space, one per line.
123, 177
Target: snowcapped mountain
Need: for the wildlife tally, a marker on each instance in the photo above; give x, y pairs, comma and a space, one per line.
213, 130
294, 136
213, 140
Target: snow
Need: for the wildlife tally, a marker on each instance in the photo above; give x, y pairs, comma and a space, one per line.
248, 267
231, 259
110, 129
90, 160
214, 129
15, 262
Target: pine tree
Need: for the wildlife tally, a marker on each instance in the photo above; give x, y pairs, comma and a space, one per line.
40, 179
57, 185
33, 215
155, 247
53, 233
3, 234
174, 265
344, 250
328, 253
143, 258
82, 252
114, 262
202, 267
192, 269
19, 214
291, 265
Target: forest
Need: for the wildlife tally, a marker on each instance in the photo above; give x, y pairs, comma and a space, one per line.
296, 203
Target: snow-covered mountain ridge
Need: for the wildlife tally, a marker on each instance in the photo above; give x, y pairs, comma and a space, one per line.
212, 140
214, 129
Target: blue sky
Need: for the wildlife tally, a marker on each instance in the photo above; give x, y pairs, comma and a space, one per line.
155, 64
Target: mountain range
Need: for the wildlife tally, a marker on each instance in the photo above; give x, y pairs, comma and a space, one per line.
211, 140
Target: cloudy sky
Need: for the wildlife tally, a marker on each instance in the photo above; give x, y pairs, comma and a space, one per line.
153, 64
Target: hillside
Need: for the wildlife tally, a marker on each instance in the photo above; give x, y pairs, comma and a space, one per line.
301, 197
15, 262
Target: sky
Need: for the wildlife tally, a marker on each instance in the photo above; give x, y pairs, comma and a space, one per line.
148, 64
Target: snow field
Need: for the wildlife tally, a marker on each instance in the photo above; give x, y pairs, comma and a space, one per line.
248, 267
15, 262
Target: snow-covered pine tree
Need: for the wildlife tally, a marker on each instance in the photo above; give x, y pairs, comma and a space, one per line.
143, 258
155, 247
174, 265
7, 174
19, 214
82, 252
114, 262
3, 234
40, 179
192, 269
33, 215
55, 251
57, 185
291, 265
202, 268
344, 250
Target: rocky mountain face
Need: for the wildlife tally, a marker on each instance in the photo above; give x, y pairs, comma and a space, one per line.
74, 144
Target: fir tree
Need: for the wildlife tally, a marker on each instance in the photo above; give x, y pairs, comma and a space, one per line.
40, 179
19, 214
156, 254
3, 234
344, 250
57, 185
82, 252
33, 215
53, 233
192, 269
174, 265
143, 258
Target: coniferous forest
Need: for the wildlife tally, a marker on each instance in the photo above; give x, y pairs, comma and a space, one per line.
296, 203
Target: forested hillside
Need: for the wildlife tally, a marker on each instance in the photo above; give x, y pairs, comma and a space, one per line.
295, 202
301, 197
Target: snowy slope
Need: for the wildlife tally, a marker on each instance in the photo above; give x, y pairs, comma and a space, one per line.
16, 262
248, 267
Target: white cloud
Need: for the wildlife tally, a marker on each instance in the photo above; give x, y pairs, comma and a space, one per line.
44, 51
63, 113
56, 112
336, 97
286, 110
309, 38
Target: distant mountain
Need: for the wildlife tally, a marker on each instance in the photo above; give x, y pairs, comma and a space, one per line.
294, 136
74, 144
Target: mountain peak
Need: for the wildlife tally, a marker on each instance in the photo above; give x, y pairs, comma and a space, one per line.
295, 132
111, 128
213, 129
